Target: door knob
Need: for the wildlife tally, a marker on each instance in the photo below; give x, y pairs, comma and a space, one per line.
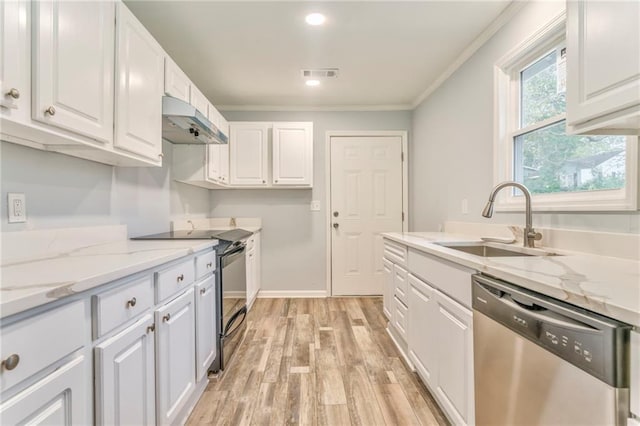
336, 225
51, 111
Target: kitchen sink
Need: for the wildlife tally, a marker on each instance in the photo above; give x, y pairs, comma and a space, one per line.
486, 250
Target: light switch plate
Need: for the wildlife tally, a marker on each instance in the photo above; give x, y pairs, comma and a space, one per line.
465, 206
16, 207
315, 206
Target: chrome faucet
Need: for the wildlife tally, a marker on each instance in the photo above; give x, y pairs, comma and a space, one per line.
530, 235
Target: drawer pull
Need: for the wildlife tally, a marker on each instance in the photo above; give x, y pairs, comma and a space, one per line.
166, 318
51, 111
11, 362
14, 93
180, 278
151, 328
209, 265
131, 303
203, 291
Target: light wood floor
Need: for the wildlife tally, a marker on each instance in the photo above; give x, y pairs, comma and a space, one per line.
317, 361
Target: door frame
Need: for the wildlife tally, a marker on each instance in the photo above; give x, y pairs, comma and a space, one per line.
327, 162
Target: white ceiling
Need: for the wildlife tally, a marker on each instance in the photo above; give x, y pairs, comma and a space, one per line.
249, 55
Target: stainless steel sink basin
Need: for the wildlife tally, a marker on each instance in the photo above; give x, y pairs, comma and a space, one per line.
486, 250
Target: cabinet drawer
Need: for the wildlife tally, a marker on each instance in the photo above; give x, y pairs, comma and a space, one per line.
115, 307
400, 286
400, 312
205, 264
41, 340
397, 253
171, 280
451, 279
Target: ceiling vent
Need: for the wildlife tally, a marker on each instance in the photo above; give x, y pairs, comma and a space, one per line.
320, 73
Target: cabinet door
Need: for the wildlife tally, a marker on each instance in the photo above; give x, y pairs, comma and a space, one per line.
15, 74
176, 82
251, 276
454, 324
213, 163
73, 53
140, 81
175, 356
224, 163
248, 153
293, 154
387, 300
61, 398
603, 58
206, 333
125, 376
199, 101
422, 330
258, 261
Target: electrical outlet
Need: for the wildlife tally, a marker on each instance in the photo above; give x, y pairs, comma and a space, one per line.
465, 206
315, 206
16, 207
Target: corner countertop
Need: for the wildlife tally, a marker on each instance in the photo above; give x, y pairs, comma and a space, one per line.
28, 281
605, 285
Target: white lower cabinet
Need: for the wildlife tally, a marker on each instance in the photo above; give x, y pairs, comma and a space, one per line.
61, 398
125, 376
205, 325
387, 291
422, 332
253, 268
175, 356
454, 363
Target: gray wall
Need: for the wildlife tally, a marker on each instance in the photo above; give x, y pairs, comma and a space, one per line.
293, 237
452, 145
63, 191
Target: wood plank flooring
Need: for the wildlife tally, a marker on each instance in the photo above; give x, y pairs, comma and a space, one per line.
317, 362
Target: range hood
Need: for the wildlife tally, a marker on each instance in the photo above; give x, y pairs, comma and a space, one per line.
182, 123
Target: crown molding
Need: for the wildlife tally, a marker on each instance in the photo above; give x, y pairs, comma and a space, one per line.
313, 108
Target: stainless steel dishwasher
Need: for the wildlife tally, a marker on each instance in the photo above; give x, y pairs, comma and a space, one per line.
539, 361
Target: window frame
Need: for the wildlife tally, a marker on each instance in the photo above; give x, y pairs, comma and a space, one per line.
507, 126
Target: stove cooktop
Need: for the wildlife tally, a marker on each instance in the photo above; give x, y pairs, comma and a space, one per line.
199, 234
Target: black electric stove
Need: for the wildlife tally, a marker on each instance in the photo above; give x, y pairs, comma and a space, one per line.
226, 237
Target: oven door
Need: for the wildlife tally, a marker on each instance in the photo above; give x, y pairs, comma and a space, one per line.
234, 301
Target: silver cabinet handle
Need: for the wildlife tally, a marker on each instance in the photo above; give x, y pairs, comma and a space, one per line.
14, 93
166, 318
209, 265
336, 225
264, 181
161, 155
11, 362
276, 180
180, 278
131, 303
336, 214
151, 328
203, 291
51, 111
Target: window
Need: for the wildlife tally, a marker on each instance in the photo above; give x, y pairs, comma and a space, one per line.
563, 172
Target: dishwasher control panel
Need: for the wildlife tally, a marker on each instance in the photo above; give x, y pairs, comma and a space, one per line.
591, 342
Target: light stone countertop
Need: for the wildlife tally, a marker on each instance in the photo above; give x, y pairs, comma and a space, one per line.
605, 285
65, 269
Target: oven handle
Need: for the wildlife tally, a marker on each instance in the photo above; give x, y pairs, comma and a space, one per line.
232, 255
233, 319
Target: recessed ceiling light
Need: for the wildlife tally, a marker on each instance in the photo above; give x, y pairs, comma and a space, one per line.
315, 19
312, 82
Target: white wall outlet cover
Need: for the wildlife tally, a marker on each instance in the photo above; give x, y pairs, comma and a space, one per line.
315, 206
16, 207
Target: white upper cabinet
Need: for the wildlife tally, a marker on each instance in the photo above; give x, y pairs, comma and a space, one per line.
73, 63
199, 101
248, 153
176, 82
293, 154
603, 67
140, 83
15, 70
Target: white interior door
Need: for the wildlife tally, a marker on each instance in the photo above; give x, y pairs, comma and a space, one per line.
366, 200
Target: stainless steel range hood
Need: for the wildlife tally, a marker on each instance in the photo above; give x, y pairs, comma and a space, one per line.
182, 123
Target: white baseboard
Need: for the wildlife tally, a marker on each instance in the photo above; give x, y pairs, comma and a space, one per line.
280, 294
401, 348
